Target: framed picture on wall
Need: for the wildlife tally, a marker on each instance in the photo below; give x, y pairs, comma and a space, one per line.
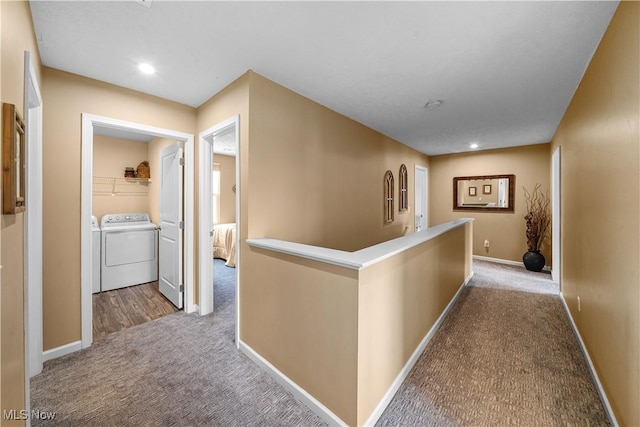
486, 189
472, 191
13, 161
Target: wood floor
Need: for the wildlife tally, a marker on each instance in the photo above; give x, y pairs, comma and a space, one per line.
126, 307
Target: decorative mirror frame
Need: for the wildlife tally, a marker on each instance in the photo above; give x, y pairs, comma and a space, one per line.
387, 189
511, 192
403, 203
13, 160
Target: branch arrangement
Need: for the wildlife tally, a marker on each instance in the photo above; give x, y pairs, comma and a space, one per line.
537, 218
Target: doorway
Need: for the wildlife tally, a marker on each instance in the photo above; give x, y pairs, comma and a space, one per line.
91, 123
421, 198
226, 132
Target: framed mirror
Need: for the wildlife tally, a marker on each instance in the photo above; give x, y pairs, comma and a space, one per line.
13, 161
487, 193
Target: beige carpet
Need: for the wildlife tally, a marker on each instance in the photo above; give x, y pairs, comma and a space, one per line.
501, 357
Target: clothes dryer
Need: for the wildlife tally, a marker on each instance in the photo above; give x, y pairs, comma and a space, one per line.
129, 250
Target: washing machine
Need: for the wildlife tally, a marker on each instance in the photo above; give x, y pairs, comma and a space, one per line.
96, 249
129, 250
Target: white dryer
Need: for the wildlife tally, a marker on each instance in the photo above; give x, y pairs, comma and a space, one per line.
129, 250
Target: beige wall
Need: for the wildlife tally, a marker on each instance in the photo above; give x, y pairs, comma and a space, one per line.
344, 335
110, 157
16, 34
599, 139
302, 317
227, 181
505, 231
316, 176
66, 97
394, 314
231, 101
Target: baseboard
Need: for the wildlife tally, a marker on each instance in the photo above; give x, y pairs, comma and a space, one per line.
298, 392
63, 350
505, 261
402, 375
592, 369
194, 309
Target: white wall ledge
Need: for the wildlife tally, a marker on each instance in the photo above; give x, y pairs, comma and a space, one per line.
362, 258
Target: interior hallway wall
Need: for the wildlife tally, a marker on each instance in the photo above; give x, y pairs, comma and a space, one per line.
16, 36
600, 141
317, 176
504, 230
110, 157
66, 97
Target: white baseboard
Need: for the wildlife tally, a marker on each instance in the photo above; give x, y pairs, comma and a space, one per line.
194, 308
54, 353
298, 392
592, 369
402, 375
504, 261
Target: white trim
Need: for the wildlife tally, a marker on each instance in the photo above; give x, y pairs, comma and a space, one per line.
88, 121
32, 229
298, 392
188, 205
402, 375
556, 215
592, 369
205, 249
505, 261
362, 258
33, 221
63, 350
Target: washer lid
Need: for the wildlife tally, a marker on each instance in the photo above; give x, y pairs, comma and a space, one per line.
128, 227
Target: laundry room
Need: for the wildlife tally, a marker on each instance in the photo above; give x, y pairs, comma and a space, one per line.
125, 204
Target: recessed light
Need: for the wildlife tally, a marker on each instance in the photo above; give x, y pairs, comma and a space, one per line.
146, 68
474, 146
434, 103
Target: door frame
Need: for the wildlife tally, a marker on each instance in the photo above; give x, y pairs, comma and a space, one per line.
425, 194
556, 216
88, 123
33, 228
205, 213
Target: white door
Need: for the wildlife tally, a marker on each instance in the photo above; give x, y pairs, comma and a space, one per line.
170, 246
421, 198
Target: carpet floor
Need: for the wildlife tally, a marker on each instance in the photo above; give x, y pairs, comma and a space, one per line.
501, 357
181, 369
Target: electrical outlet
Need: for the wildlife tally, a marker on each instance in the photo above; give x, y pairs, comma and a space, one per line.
578, 303
486, 243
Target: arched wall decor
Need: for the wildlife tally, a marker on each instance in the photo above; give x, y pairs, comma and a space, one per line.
404, 189
388, 197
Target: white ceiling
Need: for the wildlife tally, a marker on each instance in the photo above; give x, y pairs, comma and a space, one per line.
505, 70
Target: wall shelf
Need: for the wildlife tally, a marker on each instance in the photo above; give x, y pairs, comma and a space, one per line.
118, 186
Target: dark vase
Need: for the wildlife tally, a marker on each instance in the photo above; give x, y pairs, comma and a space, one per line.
533, 260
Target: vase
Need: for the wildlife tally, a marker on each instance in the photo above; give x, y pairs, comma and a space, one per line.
533, 260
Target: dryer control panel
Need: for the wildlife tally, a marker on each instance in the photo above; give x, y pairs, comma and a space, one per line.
125, 219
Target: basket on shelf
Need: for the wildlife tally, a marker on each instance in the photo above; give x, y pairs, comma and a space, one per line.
143, 170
